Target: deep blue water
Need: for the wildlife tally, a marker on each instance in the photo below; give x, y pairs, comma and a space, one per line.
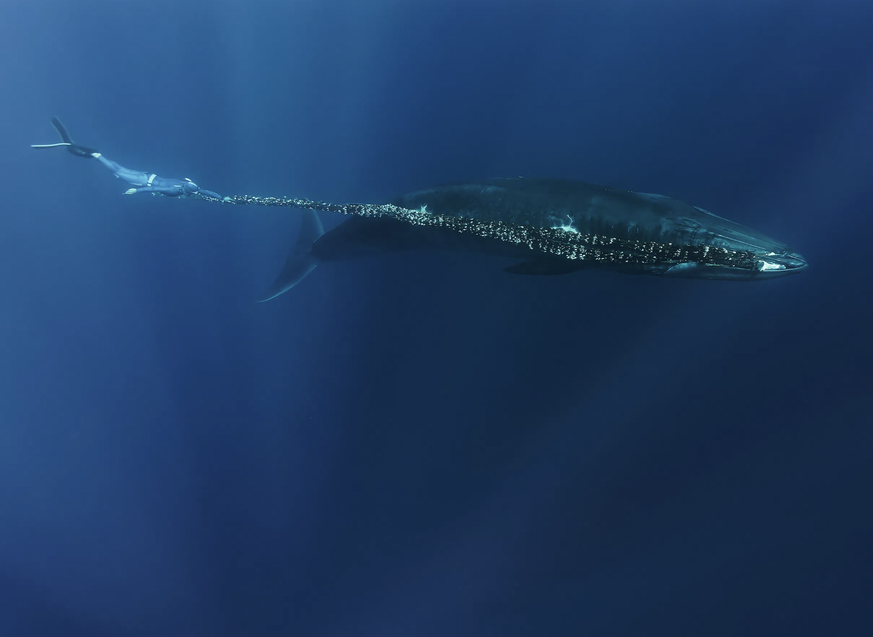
422, 444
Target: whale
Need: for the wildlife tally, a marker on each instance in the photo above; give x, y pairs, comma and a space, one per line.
549, 227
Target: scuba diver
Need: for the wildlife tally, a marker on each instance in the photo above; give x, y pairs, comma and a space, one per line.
141, 181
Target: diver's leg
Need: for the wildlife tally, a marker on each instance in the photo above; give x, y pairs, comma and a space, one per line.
133, 177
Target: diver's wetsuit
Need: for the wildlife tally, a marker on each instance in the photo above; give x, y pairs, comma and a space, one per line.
149, 182
141, 181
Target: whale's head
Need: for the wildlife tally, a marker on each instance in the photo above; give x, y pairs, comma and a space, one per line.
734, 251
748, 267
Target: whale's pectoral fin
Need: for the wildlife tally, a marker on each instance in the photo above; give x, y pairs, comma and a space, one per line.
300, 262
543, 266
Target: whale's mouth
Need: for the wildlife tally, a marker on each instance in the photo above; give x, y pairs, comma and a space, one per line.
784, 263
768, 266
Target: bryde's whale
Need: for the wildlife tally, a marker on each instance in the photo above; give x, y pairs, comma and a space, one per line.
548, 226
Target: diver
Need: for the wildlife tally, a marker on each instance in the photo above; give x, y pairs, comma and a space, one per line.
141, 181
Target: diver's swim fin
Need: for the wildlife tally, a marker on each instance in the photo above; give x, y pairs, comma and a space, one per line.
300, 262
71, 146
62, 131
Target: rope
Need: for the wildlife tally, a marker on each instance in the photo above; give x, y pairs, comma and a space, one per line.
567, 244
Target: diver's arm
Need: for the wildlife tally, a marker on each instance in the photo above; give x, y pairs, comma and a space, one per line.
168, 191
210, 194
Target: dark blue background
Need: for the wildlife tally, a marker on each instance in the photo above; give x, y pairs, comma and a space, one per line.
422, 444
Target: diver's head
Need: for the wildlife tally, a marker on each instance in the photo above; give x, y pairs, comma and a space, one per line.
190, 188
